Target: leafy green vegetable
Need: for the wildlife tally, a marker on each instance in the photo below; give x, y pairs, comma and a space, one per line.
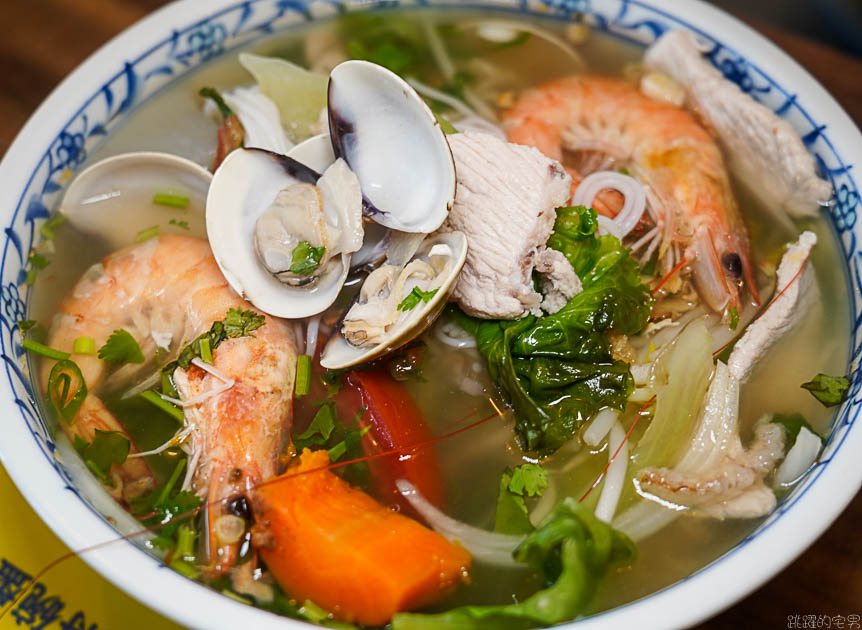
306, 258
558, 370
571, 551
529, 480
327, 431
215, 97
147, 233
169, 507
121, 347
414, 297
829, 390
106, 449
66, 389
236, 323
512, 515
792, 423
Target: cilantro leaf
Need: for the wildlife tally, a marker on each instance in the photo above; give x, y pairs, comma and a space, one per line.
529, 480
512, 515
306, 258
318, 431
106, 449
414, 297
829, 390
236, 323
240, 323
121, 347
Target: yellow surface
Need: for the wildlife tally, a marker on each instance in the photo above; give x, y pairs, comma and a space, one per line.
89, 602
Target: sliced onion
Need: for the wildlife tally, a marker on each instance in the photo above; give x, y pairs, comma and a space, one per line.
453, 335
311, 336
485, 546
629, 187
616, 475
799, 458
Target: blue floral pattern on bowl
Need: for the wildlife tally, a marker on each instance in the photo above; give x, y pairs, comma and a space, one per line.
187, 48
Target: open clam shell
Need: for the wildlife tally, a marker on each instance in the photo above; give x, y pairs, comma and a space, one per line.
393, 142
243, 188
118, 185
339, 353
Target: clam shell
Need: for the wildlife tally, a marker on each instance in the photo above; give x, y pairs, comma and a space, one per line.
338, 353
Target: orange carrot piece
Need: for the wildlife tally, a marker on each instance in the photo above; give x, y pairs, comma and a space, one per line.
333, 544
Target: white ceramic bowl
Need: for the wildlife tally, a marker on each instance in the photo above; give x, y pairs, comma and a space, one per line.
171, 42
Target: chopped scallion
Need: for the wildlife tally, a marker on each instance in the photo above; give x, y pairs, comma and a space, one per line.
147, 234
172, 410
84, 345
303, 375
48, 227
206, 352
66, 388
171, 200
43, 350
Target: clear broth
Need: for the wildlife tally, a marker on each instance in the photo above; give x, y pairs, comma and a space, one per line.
172, 121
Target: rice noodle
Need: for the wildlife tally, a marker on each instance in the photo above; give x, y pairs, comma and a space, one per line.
631, 189
485, 546
599, 427
438, 95
502, 31
616, 475
311, 336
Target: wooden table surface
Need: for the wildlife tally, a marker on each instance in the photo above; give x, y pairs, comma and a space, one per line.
45, 39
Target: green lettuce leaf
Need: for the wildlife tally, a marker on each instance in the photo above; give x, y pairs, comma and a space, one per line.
557, 370
571, 551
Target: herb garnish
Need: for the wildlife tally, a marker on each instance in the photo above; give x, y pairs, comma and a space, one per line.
147, 233
236, 323
305, 258
414, 297
733, 313
526, 480
180, 224
66, 389
51, 224
37, 263
340, 440
829, 390
107, 449
171, 200
168, 507
121, 347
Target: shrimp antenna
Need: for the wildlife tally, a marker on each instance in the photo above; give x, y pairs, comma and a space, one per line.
401, 452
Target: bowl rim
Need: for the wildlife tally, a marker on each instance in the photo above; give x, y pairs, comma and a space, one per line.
838, 478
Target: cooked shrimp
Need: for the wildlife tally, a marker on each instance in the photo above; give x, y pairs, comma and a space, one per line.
604, 122
168, 291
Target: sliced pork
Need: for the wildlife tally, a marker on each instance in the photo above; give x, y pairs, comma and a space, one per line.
504, 204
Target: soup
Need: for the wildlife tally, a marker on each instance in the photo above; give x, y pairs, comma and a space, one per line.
586, 418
